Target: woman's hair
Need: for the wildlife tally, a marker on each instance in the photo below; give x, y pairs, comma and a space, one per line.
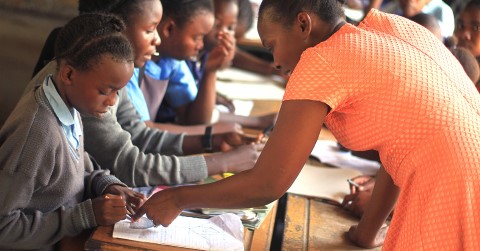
182, 11
245, 13
125, 9
85, 39
285, 12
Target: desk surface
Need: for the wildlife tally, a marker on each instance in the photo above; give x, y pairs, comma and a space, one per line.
258, 239
311, 224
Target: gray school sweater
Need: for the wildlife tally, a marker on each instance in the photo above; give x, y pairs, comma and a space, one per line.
134, 153
44, 190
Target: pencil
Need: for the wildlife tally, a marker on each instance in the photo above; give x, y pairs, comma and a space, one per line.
353, 183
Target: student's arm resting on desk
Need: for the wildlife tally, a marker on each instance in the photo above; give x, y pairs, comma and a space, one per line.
139, 163
279, 164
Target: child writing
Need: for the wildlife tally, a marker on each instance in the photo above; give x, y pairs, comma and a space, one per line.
182, 38
365, 83
50, 188
142, 156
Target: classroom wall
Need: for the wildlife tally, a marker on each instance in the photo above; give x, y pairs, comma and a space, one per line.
58, 8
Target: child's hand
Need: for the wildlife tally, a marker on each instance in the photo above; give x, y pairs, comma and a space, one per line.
160, 208
357, 202
366, 183
109, 209
227, 141
237, 160
224, 127
132, 199
222, 55
363, 240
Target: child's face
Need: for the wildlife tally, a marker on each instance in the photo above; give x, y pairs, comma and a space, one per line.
225, 21
142, 31
411, 8
184, 42
467, 30
92, 91
284, 43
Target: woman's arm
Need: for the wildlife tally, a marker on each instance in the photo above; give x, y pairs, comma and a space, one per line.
296, 131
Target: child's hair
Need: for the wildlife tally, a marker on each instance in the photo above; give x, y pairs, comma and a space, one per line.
183, 11
245, 14
428, 21
468, 61
125, 9
473, 3
285, 12
86, 38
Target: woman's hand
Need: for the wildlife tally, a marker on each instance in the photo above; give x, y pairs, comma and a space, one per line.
161, 208
358, 237
133, 200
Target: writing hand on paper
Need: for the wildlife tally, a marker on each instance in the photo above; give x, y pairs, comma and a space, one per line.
109, 209
357, 201
160, 208
132, 199
358, 237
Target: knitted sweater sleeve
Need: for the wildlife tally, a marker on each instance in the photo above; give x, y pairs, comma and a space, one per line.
31, 171
132, 152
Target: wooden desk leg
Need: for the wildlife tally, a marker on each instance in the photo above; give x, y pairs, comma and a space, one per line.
295, 234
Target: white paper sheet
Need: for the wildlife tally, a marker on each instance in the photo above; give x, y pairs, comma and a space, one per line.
222, 232
238, 84
327, 152
242, 107
323, 182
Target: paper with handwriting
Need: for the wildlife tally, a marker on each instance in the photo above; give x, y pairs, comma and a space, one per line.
222, 232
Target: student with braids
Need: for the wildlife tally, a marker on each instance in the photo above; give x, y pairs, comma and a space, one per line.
138, 155
388, 85
49, 186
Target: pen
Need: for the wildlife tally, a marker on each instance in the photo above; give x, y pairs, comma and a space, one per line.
353, 183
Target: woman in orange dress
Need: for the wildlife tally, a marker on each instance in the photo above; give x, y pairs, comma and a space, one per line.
387, 85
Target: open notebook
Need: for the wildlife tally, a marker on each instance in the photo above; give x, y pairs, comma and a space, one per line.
323, 182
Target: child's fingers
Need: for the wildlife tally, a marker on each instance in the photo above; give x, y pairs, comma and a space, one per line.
138, 214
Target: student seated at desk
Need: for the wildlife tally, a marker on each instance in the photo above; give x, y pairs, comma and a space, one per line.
211, 59
49, 186
142, 156
365, 84
185, 103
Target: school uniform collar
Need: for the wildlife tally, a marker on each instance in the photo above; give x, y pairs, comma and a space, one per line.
68, 117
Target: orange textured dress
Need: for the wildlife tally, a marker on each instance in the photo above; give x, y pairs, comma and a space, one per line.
393, 87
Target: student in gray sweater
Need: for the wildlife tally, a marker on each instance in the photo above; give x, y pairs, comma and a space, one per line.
143, 156
49, 186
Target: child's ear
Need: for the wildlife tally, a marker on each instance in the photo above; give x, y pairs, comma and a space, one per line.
304, 23
168, 28
67, 73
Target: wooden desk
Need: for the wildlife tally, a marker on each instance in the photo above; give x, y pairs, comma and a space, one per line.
258, 239
314, 225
